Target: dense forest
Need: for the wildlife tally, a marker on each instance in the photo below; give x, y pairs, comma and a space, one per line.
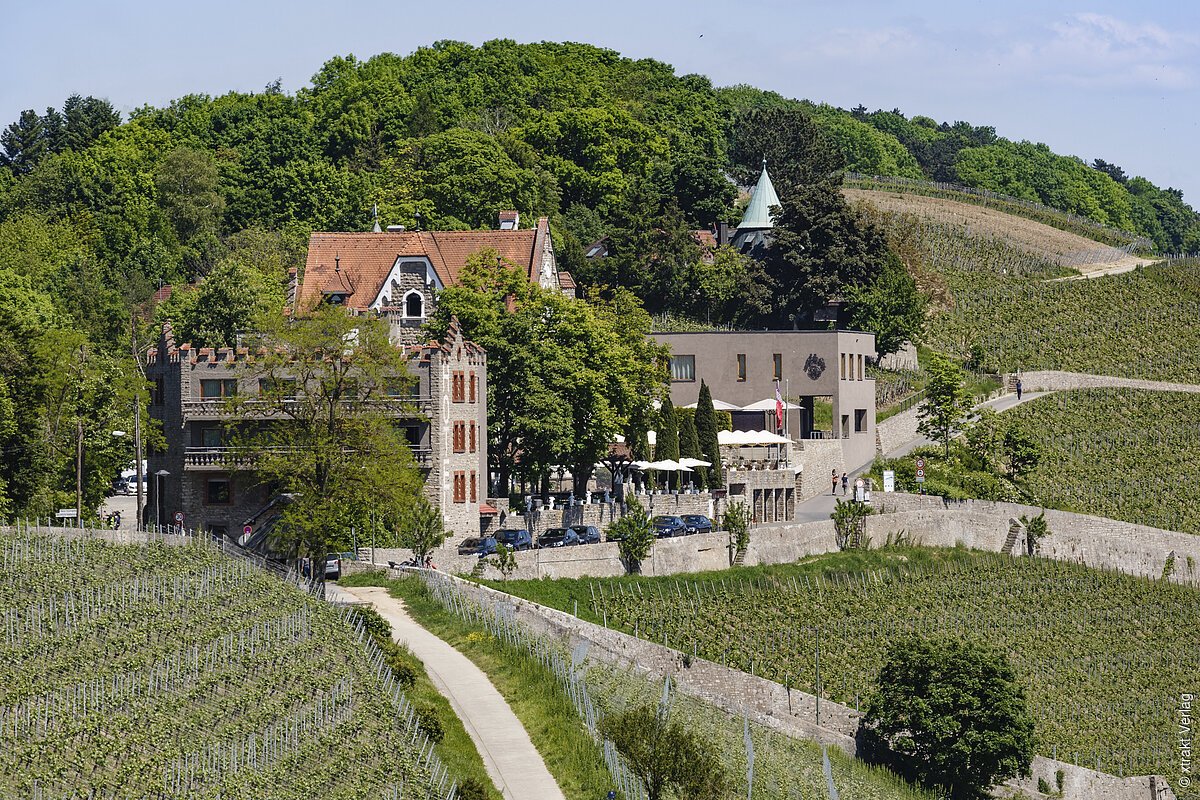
97, 213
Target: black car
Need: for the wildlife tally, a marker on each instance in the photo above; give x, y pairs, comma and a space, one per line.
697, 523
558, 537
478, 546
588, 534
669, 526
515, 539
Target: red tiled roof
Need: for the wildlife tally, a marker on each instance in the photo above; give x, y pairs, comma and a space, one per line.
163, 294
364, 260
487, 510
565, 281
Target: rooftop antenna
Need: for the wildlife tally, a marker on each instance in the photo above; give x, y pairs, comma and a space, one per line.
375, 214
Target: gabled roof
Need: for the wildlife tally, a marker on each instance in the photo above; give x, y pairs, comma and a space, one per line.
758, 213
363, 261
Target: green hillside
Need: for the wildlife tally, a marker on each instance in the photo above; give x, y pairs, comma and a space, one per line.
175, 669
1101, 654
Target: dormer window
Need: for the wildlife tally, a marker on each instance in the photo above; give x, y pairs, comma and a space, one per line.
336, 298
414, 305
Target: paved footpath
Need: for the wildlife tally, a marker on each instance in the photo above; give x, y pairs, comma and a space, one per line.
512, 761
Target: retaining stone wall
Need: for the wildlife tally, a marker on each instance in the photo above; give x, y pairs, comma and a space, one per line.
897, 430
1053, 381
819, 457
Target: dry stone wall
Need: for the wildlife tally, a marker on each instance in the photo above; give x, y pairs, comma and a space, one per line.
897, 430
1056, 381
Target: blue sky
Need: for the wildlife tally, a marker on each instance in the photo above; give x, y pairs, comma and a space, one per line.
1107, 80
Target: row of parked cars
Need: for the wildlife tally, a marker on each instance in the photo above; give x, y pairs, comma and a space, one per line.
519, 539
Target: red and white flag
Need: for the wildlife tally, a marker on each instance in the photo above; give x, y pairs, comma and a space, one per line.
778, 408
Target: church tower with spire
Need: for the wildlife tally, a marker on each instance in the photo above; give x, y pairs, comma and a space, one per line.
754, 231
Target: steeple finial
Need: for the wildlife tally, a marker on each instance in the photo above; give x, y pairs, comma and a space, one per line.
375, 214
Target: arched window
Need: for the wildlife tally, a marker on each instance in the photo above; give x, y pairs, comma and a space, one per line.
414, 304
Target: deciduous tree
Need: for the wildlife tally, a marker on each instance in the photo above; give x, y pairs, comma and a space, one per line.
947, 401
665, 755
951, 716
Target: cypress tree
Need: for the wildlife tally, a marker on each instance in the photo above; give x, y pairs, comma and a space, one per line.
706, 432
666, 446
689, 443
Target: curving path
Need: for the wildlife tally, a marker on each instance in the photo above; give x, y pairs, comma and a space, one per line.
512, 761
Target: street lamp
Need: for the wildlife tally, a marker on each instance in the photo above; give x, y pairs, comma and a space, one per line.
162, 473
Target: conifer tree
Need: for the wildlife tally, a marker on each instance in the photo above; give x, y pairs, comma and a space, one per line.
666, 446
706, 432
689, 443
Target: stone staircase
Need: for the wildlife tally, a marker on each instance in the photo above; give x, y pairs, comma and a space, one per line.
1015, 528
739, 558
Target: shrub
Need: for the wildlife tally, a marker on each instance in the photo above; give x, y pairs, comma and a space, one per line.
430, 721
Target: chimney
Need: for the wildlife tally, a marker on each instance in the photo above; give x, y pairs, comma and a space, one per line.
395, 229
509, 220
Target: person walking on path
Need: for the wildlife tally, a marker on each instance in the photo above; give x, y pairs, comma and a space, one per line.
1020, 390
833, 478
845, 484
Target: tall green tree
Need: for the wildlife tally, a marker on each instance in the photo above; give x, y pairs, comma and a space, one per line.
797, 152
706, 432
947, 401
951, 716
666, 445
231, 300
891, 306
321, 430
689, 443
188, 188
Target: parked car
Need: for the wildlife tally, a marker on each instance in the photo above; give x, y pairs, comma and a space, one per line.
558, 537
478, 546
333, 566
515, 539
469, 547
348, 556
588, 534
697, 523
665, 526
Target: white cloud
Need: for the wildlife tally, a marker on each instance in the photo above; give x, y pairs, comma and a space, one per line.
1097, 50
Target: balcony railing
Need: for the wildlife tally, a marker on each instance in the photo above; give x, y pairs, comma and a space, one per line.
218, 407
232, 458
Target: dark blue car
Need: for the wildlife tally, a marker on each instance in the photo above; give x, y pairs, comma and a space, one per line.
515, 539
481, 547
665, 526
558, 537
697, 523
588, 534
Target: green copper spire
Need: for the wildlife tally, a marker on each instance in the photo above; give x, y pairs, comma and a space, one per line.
758, 213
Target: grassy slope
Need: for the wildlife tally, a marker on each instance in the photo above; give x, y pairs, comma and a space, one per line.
1119, 453
1102, 654
785, 767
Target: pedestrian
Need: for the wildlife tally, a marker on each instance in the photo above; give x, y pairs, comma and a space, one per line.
1020, 390
833, 478
845, 484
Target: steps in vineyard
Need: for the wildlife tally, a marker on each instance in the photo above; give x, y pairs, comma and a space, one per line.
1014, 532
739, 559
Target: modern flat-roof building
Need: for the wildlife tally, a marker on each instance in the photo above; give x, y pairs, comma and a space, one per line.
742, 369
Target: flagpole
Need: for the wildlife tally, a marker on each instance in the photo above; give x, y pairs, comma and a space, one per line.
787, 431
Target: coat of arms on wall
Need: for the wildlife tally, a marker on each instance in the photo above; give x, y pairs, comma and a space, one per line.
814, 367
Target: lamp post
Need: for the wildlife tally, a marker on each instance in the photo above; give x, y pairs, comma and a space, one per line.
162, 473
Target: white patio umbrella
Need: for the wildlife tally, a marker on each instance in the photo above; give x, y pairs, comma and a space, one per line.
694, 462
768, 404
668, 465
720, 405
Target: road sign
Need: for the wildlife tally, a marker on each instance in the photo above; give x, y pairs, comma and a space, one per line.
921, 464
247, 529
66, 513
889, 480
178, 517
920, 470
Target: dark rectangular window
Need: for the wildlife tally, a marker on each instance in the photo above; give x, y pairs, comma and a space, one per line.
458, 393
474, 490
473, 387
777, 360
218, 492
683, 369
460, 437
474, 442
741, 366
216, 388
460, 487
212, 437
156, 392
412, 435
860, 420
